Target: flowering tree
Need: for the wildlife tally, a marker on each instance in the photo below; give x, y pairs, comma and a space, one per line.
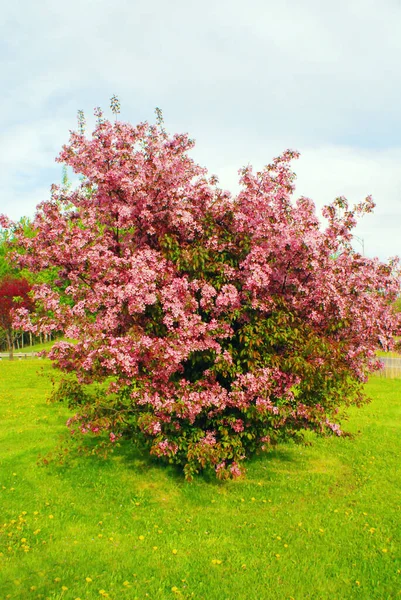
221, 324
13, 294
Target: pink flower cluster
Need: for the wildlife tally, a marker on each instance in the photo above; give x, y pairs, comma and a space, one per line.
334, 427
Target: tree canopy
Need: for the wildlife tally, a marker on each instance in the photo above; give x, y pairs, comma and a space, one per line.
223, 324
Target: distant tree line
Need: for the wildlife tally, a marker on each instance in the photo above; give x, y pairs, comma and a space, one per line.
15, 288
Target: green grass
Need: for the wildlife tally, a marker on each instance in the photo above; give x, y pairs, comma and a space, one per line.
388, 354
319, 522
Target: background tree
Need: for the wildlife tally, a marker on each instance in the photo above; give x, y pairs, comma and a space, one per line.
222, 324
9, 245
13, 294
5, 266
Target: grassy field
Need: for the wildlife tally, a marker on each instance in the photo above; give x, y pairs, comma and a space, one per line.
388, 354
320, 521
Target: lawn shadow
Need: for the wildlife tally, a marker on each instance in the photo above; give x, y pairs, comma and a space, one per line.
149, 477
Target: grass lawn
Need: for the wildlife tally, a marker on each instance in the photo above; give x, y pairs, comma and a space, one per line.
388, 354
320, 521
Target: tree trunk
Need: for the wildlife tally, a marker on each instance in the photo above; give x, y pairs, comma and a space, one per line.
10, 344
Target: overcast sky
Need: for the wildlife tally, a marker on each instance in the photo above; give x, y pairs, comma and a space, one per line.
246, 80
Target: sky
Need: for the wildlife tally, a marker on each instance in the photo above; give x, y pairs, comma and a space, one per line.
245, 80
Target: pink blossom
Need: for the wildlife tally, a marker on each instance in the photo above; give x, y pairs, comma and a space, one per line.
209, 439
165, 448
238, 425
235, 470
334, 427
220, 467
